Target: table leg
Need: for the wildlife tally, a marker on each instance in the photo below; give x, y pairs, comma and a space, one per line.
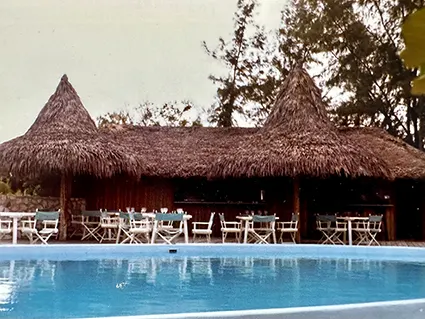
350, 234
154, 231
245, 235
186, 233
15, 231
118, 236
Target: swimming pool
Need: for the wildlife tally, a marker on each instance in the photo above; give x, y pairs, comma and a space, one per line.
86, 281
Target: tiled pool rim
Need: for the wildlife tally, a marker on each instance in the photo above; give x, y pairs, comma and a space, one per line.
398, 309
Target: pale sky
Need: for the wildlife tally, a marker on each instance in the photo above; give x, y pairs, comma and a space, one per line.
115, 52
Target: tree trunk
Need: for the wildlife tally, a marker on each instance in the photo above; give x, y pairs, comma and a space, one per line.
65, 195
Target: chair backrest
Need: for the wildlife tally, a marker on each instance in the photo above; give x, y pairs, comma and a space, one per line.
42, 216
50, 220
325, 221
91, 213
144, 210
179, 211
263, 219
375, 222
169, 217
294, 220
210, 222
163, 210
222, 220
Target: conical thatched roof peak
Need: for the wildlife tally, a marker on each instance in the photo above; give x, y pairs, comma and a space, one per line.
299, 105
64, 139
63, 112
298, 139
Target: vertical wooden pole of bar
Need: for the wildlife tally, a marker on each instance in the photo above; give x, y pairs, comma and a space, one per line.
389, 216
296, 205
65, 195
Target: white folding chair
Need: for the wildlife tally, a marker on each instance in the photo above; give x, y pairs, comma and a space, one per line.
77, 225
331, 229
5, 227
359, 230
49, 222
289, 228
203, 228
372, 229
262, 234
168, 234
123, 228
109, 222
230, 227
140, 228
90, 220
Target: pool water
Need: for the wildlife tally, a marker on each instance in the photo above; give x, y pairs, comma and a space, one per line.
111, 287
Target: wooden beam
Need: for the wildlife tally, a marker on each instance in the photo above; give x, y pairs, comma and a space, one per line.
65, 196
296, 204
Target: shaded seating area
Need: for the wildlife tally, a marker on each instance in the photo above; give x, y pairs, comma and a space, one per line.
296, 150
334, 229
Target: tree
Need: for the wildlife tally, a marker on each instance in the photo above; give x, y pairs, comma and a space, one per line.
355, 45
239, 57
360, 41
147, 114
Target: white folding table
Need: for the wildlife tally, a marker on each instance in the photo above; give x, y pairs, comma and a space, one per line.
15, 216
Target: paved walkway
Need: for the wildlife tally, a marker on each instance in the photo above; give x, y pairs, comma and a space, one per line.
402, 243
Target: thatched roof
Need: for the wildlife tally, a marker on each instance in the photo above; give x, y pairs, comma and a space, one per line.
192, 151
64, 139
177, 151
404, 160
298, 139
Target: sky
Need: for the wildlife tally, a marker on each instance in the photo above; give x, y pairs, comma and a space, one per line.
116, 53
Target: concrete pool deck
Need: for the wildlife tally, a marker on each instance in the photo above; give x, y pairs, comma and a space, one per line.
214, 240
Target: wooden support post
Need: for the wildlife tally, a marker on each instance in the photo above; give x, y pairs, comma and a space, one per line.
296, 204
389, 222
389, 216
65, 195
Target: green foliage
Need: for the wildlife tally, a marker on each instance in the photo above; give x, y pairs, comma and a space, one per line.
5, 188
245, 59
147, 114
118, 117
413, 32
353, 44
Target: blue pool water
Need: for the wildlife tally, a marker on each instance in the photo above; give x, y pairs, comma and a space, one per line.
155, 285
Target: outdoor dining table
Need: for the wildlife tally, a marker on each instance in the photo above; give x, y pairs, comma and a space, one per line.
15, 216
247, 219
349, 221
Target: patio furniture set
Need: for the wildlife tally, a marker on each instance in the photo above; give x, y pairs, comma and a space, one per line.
334, 229
148, 227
